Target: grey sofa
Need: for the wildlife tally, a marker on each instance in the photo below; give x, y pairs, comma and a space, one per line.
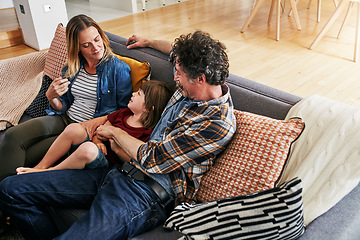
340, 222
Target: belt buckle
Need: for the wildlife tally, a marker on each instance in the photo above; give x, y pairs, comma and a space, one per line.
132, 171
126, 168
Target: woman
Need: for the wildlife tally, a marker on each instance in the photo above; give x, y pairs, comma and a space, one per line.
94, 84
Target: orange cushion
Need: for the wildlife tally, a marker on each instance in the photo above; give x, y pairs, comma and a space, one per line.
140, 71
254, 159
57, 55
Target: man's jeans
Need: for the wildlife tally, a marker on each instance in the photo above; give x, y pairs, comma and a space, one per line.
120, 207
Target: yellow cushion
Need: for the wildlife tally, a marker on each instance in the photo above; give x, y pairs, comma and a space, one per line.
140, 71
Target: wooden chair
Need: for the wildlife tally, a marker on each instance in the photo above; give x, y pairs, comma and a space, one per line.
278, 13
333, 18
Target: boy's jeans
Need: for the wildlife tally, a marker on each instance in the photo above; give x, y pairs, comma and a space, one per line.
120, 207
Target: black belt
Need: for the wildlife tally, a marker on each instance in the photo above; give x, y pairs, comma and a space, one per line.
133, 172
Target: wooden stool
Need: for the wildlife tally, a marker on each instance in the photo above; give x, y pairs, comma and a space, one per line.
332, 19
278, 13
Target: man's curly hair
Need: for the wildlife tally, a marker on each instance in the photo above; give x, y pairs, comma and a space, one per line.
197, 53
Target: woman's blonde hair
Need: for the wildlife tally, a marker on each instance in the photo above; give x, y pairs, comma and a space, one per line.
157, 94
73, 29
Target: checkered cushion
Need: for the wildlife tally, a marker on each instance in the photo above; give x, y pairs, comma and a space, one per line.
57, 55
254, 159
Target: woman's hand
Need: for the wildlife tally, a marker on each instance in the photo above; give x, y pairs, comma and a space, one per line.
92, 124
57, 88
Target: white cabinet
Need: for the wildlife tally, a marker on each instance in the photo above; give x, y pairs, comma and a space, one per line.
38, 20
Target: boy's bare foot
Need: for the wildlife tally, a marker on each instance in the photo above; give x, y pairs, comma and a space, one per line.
21, 170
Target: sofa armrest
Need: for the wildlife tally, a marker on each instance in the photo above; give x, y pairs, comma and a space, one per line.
340, 222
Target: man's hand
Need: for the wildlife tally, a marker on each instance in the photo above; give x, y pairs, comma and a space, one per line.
105, 131
92, 124
136, 41
126, 142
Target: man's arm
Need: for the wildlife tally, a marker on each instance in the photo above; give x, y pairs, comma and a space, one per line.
118, 151
128, 144
136, 41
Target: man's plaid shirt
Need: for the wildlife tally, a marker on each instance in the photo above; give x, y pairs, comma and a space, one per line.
199, 133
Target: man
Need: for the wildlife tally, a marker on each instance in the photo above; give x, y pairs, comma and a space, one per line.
195, 127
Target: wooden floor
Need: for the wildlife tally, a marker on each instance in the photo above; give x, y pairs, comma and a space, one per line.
288, 64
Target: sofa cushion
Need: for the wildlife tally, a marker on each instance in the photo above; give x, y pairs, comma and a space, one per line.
140, 71
271, 214
254, 159
57, 55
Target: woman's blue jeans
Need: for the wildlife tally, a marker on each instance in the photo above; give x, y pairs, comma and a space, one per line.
120, 207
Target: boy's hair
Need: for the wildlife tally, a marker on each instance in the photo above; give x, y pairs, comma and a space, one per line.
197, 53
157, 94
75, 25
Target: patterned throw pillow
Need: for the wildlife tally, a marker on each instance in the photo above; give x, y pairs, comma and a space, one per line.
41, 103
54, 63
140, 71
254, 159
57, 55
271, 214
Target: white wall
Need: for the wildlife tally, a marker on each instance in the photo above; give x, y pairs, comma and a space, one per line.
6, 4
38, 24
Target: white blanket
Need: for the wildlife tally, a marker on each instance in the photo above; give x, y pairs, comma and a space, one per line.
327, 155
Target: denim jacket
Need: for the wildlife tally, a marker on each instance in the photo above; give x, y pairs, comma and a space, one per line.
113, 91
